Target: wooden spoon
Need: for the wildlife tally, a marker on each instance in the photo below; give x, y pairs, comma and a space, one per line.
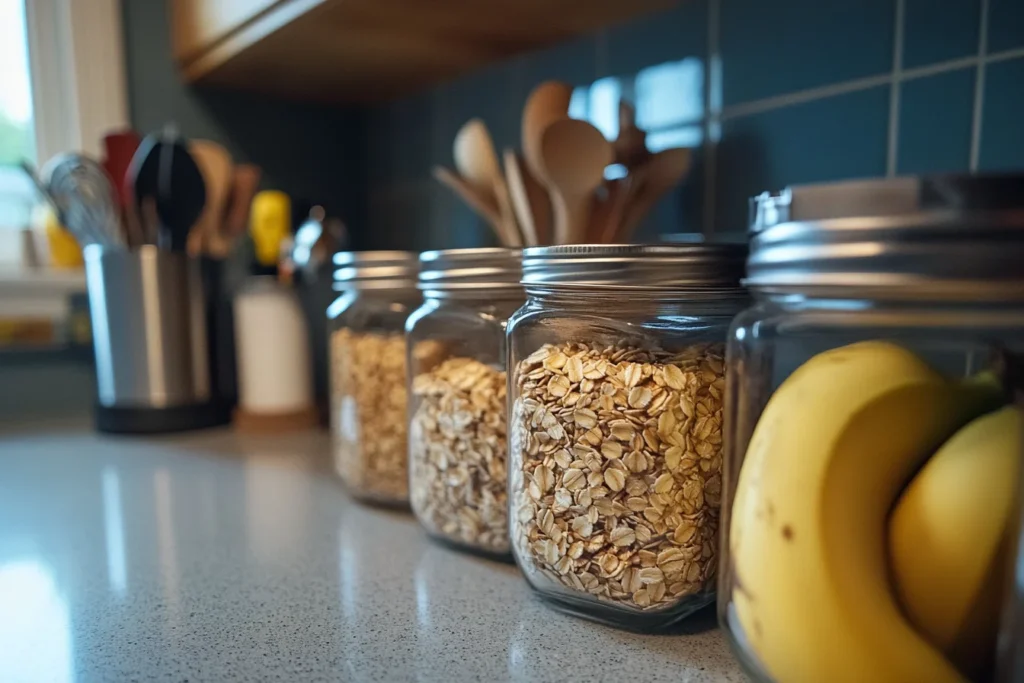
218, 170
245, 183
484, 206
661, 173
474, 156
574, 155
529, 201
477, 162
548, 102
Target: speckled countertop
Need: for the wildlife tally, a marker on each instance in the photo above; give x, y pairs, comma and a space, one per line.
215, 557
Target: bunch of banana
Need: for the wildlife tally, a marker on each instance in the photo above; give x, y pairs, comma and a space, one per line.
844, 572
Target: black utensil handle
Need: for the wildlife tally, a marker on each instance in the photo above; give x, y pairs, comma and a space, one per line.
171, 240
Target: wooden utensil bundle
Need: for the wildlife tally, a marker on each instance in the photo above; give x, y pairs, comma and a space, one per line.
556, 191
231, 188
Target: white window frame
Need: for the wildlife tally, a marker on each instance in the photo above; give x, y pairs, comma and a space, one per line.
79, 93
76, 55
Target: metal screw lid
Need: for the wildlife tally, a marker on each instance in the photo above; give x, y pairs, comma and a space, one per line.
375, 270
695, 267
471, 272
952, 237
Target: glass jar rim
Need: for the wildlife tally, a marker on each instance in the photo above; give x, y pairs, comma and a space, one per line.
375, 270
699, 268
471, 273
931, 237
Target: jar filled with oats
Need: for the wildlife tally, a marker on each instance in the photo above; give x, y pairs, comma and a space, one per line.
366, 325
615, 434
457, 396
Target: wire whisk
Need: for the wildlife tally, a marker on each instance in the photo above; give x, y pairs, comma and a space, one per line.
84, 198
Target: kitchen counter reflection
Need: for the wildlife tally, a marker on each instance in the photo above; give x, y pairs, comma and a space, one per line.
221, 557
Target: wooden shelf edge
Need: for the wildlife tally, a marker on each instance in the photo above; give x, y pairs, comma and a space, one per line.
194, 69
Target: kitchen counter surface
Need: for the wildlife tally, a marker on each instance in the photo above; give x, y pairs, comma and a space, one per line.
214, 556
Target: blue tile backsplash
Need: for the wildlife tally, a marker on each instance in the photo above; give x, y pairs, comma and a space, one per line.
765, 93
825, 139
939, 30
664, 37
1002, 130
935, 122
1005, 25
774, 48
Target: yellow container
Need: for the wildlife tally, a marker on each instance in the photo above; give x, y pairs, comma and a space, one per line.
270, 224
65, 252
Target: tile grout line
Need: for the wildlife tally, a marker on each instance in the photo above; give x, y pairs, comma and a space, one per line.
938, 68
803, 96
892, 148
976, 114
979, 89
844, 87
1012, 53
711, 73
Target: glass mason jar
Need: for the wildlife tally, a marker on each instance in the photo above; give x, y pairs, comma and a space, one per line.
366, 325
457, 407
872, 471
615, 433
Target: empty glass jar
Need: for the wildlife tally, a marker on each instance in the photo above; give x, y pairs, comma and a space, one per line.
457, 396
870, 507
366, 325
618, 374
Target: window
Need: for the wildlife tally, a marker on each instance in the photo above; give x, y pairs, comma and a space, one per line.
17, 137
669, 101
62, 88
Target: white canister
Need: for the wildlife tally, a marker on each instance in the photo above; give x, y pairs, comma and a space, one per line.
272, 340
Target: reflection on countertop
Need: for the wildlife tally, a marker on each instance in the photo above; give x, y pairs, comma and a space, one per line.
215, 556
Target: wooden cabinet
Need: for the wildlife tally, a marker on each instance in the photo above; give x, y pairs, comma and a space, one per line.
367, 50
198, 25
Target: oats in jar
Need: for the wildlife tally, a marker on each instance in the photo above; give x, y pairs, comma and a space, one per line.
618, 479
368, 413
457, 454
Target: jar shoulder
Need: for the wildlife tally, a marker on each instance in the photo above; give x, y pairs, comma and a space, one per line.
597, 324
385, 312
767, 320
454, 319
634, 312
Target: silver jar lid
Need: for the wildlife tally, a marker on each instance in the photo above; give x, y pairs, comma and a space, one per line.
471, 272
698, 267
375, 270
951, 237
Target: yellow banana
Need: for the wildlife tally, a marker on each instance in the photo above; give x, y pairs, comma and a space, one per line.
946, 537
827, 459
